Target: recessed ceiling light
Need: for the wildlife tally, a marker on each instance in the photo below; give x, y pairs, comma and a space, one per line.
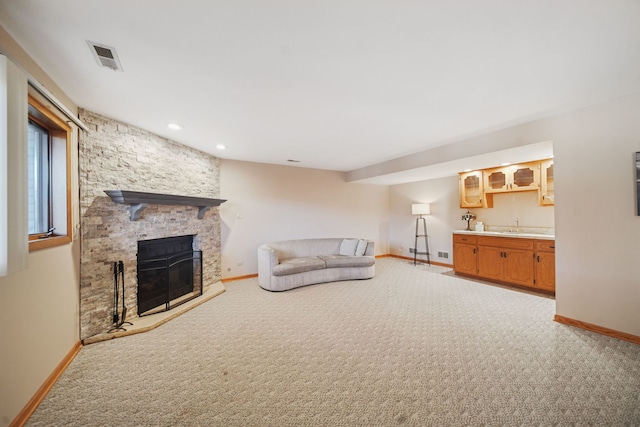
505, 164
467, 170
221, 147
174, 126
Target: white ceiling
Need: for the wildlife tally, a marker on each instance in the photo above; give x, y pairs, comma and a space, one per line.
337, 85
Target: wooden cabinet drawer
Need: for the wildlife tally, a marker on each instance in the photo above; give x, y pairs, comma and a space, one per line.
465, 238
505, 242
545, 245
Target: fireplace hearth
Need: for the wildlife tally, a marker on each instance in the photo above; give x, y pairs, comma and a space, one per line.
169, 273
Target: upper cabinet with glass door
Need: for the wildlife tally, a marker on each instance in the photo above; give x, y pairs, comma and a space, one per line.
547, 194
521, 177
471, 190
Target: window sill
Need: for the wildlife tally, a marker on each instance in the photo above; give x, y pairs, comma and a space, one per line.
48, 242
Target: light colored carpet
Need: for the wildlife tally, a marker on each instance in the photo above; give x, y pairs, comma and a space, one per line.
409, 347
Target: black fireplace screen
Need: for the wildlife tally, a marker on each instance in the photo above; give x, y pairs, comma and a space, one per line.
169, 273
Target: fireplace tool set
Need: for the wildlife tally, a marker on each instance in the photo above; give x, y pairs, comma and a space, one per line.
119, 314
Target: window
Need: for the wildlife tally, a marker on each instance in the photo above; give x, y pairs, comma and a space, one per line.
38, 179
49, 178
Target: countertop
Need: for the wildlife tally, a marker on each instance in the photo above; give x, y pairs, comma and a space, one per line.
511, 234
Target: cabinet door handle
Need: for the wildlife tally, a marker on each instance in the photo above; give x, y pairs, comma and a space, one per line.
474, 251
538, 258
552, 247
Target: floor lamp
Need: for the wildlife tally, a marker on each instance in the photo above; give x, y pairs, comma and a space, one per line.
421, 209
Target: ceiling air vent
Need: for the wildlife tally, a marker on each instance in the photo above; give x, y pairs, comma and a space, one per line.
105, 56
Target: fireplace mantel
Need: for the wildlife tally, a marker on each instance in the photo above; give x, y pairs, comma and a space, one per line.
140, 200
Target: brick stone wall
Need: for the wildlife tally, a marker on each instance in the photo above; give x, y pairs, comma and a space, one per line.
117, 156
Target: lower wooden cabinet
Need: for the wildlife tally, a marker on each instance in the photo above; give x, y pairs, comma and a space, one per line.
506, 259
518, 261
464, 254
545, 263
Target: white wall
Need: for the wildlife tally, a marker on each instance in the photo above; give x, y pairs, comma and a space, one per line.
270, 203
508, 206
597, 230
442, 194
39, 308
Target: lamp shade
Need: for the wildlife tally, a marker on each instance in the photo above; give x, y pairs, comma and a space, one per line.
420, 209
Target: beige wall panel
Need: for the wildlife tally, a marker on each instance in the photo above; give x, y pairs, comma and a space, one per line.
270, 203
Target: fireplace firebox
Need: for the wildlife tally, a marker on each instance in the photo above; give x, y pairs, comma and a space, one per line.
169, 273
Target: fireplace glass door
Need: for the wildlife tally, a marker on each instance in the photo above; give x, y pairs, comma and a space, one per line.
169, 273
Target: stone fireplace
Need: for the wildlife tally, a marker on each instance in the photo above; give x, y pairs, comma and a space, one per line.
115, 155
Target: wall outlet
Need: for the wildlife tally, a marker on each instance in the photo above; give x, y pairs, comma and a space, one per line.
239, 264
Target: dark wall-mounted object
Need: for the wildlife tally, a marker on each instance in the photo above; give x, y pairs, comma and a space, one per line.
638, 183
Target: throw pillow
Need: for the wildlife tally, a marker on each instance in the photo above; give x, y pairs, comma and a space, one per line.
348, 246
361, 248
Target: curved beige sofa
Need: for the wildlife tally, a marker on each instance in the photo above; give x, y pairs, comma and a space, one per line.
293, 263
